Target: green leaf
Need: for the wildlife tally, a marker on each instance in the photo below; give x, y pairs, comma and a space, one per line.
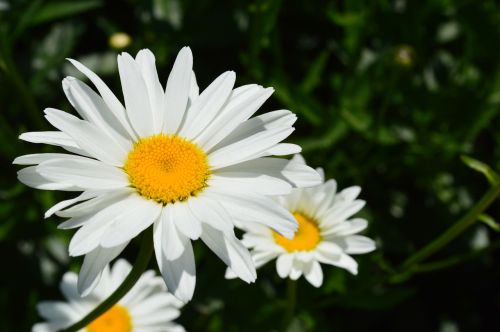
488, 220
315, 73
57, 10
491, 175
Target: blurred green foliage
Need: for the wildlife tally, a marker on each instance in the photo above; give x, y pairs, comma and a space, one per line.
389, 95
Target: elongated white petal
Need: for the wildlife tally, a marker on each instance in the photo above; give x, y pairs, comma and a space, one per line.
56, 138
37, 158
346, 228
130, 224
208, 104
88, 137
246, 148
337, 259
185, 221
93, 265
84, 173
284, 265
194, 90
238, 109
64, 204
230, 251
212, 212
177, 91
136, 96
314, 273
254, 183
167, 237
259, 209
56, 311
180, 273
114, 105
146, 61
341, 211
298, 175
356, 244
30, 177
92, 108
95, 204
267, 121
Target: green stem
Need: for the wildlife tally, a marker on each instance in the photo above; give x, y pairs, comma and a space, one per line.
291, 289
140, 265
455, 230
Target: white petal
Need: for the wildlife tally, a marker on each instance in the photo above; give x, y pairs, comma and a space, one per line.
296, 174
179, 274
88, 137
95, 225
271, 120
314, 274
281, 149
338, 259
96, 204
194, 91
208, 104
55, 311
356, 244
346, 228
247, 182
348, 194
167, 237
259, 209
208, 210
230, 250
30, 177
284, 265
93, 265
84, 173
92, 108
56, 138
64, 204
341, 211
114, 105
185, 221
242, 104
136, 96
131, 223
38, 158
146, 61
177, 90
248, 147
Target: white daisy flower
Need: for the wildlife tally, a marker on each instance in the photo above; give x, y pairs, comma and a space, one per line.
325, 234
147, 307
191, 164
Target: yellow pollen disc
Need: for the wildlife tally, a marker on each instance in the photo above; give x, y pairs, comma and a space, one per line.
116, 319
167, 168
306, 238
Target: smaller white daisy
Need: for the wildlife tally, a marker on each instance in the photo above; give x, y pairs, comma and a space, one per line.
147, 307
325, 234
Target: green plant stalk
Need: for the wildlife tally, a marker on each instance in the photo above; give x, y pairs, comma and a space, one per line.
451, 233
291, 289
140, 265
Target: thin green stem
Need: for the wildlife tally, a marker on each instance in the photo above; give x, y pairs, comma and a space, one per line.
140, 265
291, 290
455, 230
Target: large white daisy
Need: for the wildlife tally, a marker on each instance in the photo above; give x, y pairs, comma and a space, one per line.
326, 234
147, 307
192, 164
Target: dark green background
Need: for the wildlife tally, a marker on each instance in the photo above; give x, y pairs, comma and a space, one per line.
389, 95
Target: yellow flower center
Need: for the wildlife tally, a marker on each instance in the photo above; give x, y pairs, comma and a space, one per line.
306, 238
167, 168
116, 319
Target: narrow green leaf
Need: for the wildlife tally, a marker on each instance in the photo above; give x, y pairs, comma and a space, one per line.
488, 220
488, 172
56, 10
314, 75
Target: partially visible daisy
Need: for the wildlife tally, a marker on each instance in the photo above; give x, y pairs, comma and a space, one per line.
147, 307
191, 164
327, 234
